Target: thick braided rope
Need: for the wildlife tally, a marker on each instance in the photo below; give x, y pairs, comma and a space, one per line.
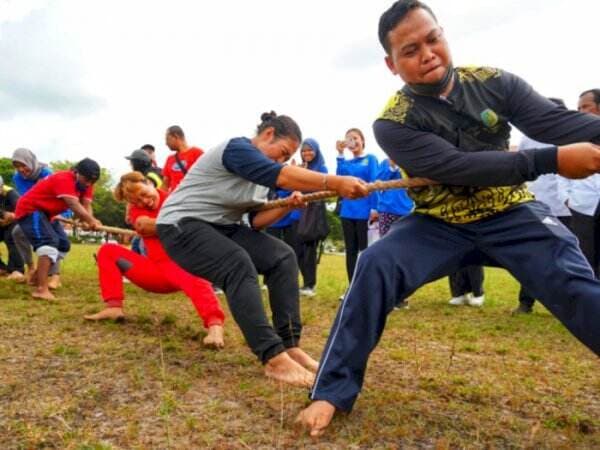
375, 186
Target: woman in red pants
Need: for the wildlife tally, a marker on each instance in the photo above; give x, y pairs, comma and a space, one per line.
156, 272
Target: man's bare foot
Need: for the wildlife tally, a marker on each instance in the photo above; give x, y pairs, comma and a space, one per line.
285, 369
107, 314
302, 358
316, 417
43, 294
214, 338
54, 282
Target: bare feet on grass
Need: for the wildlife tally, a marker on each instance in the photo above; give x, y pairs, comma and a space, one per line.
54, 282
316, 417
302, 358
43, 294
214, 338
107, 314
283, 368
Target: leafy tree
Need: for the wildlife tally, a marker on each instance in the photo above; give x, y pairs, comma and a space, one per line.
6, 170
335, 224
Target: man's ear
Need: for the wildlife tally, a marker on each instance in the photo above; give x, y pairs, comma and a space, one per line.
390, 64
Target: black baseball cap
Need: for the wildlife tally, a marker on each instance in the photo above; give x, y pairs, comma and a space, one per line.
139, 155
89, 169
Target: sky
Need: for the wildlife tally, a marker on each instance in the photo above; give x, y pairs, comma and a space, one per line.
85, 78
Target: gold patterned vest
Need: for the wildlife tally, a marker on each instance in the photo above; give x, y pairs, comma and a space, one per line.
472, 121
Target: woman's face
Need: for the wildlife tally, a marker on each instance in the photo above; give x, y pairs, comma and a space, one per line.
22, 169
307, 153
275, 148
355, 139
144, 196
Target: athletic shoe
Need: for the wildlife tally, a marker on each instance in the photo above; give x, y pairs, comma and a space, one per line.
402, 305
523, 308
475, 301
307, 292
457, 301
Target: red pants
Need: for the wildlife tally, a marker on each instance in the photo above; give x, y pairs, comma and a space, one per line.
161, 277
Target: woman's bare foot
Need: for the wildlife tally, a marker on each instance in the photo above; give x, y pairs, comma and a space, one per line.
107, 314
54, 282
43, 294
302, 358
285, 369
316, 417
214, 338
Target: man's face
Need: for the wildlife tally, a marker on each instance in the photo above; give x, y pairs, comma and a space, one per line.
84, 182
419, 53
588, 105
172, 142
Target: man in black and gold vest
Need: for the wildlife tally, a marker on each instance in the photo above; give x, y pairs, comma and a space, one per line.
451, 125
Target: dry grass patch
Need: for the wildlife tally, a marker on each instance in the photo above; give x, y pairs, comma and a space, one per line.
441, 377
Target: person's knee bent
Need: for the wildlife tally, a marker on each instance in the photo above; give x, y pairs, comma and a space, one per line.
235, 267
64, 246
287, 261
48, 251
109, 252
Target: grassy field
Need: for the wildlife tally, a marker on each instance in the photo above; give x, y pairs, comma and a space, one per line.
442, 377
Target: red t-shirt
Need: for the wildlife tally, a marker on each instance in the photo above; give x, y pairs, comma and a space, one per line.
47, 195
156, 252
173, 170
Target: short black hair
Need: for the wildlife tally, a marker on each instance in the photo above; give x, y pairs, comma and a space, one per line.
394, 15
175, 130
594, 92
284, 126
148, 147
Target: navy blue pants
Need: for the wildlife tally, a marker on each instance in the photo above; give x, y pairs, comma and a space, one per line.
40, 231
539, 251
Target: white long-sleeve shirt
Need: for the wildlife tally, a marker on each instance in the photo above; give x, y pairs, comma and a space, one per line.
550, 189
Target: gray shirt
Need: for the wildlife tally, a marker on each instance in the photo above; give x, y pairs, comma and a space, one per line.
223, 185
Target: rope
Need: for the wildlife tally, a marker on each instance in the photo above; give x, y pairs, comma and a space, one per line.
107, 229
375, 186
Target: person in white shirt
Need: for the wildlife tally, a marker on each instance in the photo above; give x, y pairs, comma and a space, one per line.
550, 189
584, 196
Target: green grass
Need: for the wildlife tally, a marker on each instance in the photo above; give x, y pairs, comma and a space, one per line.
442, 377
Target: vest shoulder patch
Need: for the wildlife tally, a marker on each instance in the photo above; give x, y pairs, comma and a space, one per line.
397, 108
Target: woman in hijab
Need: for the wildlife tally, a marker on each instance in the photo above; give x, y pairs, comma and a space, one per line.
312, 159
28, 171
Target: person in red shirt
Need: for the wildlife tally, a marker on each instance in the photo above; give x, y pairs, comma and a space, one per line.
181, 161
69, 189
156, 272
